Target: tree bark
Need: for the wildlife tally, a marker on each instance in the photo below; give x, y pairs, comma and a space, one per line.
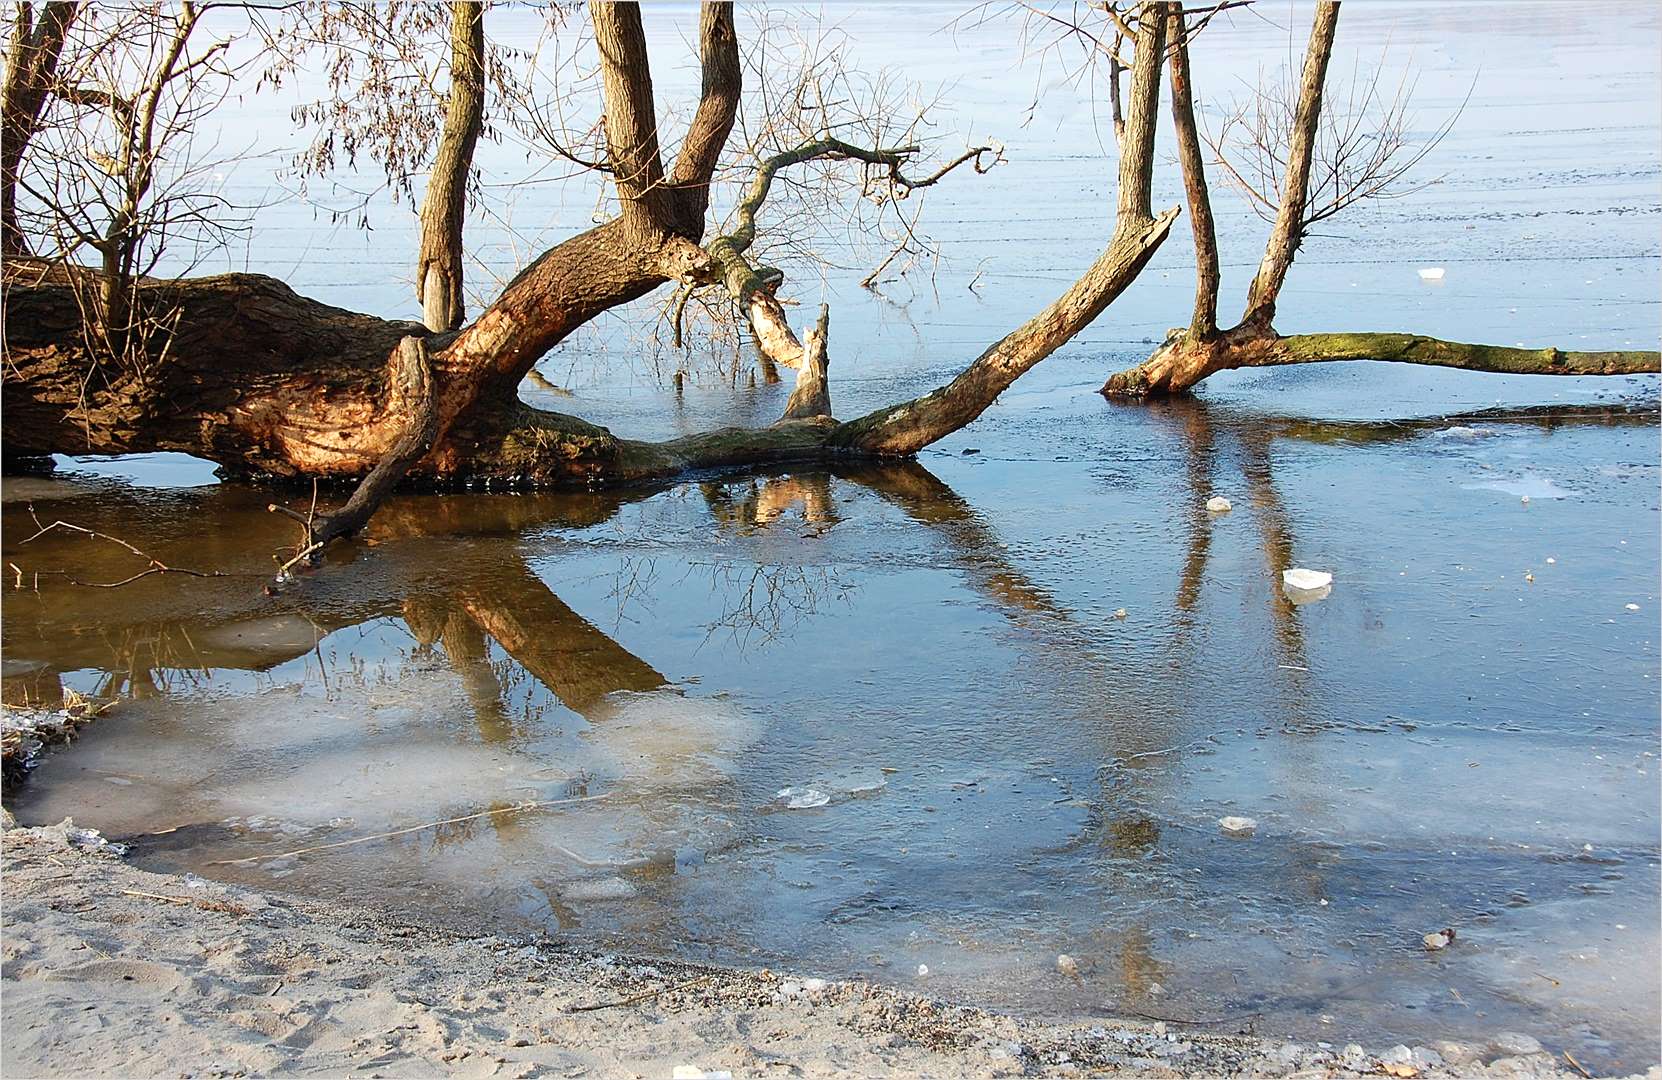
1136, 191
444, 207
1288, 231
908, 428
410, 393
1207, 278
631, 120
1435, 352
1184, 360
812, 395
31, 62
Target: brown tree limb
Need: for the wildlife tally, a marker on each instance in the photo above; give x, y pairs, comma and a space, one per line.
1136, 192
631, 120
754, 290
718, 102
1207, 277
411, 385
90, 97
444, 206
1288, 231
907, 428
653, 240
1116, 105
1183, 360
1435, 352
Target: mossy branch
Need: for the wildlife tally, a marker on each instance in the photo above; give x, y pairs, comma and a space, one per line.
1419, 349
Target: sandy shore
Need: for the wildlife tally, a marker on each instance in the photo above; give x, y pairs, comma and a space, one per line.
112, 971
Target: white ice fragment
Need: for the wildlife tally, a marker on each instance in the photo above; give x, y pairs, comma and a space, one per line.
1633, 607
1308, 580
1431, 273
1067, 965
1238, 826
1217, 504
923, 969
806, 798
1465, 431
861, 782
693, 1072
813, 986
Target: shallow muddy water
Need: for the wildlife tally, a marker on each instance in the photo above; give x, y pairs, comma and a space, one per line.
990, 764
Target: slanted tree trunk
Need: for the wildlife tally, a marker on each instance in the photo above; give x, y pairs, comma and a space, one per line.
1190, 354
31, 62
439, 266
1288, 231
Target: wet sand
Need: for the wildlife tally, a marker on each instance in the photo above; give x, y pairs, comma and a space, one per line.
110, 970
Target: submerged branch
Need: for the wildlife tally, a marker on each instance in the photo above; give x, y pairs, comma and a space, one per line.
156, 566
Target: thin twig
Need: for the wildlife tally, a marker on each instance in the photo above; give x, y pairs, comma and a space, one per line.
635, 999
190, 901
278, 508
1569, 1057
156, 565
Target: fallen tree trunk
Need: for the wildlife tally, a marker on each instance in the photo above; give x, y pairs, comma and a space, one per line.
1184, 359
242, 371
270, 384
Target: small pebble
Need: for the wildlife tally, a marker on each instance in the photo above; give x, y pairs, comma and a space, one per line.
1456, 1053
1217, 504
1120, 614
1514, 1044
1067, 965
1238, 826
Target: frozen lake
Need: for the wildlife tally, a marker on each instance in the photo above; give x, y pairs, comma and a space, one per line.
990, 763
